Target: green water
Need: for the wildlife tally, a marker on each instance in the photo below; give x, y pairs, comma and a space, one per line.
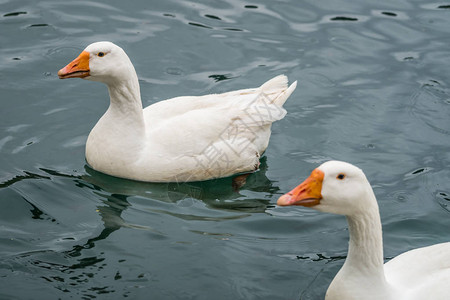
373, 90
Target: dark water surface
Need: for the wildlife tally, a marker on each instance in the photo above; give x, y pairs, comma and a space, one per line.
373, 90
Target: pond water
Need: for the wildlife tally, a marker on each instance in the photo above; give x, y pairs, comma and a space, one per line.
373, 90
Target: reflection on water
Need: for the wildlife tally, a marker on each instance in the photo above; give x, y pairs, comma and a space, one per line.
216, 193
114, 192
77, 265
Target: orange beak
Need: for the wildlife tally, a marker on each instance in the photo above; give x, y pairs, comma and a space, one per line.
308, 193
78, 68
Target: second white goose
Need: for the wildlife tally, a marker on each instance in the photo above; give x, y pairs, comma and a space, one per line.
341, 188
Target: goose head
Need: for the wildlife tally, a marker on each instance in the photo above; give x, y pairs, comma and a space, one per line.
101, 61
334, 187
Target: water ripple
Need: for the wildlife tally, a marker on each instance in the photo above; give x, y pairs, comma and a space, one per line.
372, 90
431, 105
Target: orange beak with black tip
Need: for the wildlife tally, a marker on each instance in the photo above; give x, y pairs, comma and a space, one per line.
308, 193
78, 68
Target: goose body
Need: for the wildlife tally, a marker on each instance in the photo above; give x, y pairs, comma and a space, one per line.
189, 138
342, 188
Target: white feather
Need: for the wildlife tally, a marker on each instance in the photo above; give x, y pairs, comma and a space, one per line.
181, 139
422, 273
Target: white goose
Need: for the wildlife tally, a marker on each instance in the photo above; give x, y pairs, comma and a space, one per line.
180, 139
341, 188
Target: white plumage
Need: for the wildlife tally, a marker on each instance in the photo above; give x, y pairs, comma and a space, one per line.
341, 188
180, 139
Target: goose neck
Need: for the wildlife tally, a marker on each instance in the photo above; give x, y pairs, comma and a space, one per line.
366, 242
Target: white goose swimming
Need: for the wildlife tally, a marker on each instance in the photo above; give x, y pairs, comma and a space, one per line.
341, 188
180, 139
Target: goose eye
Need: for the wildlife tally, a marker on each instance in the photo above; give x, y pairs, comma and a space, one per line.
340, 176
101, 54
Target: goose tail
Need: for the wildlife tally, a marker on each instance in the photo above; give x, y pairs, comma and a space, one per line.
278, 87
